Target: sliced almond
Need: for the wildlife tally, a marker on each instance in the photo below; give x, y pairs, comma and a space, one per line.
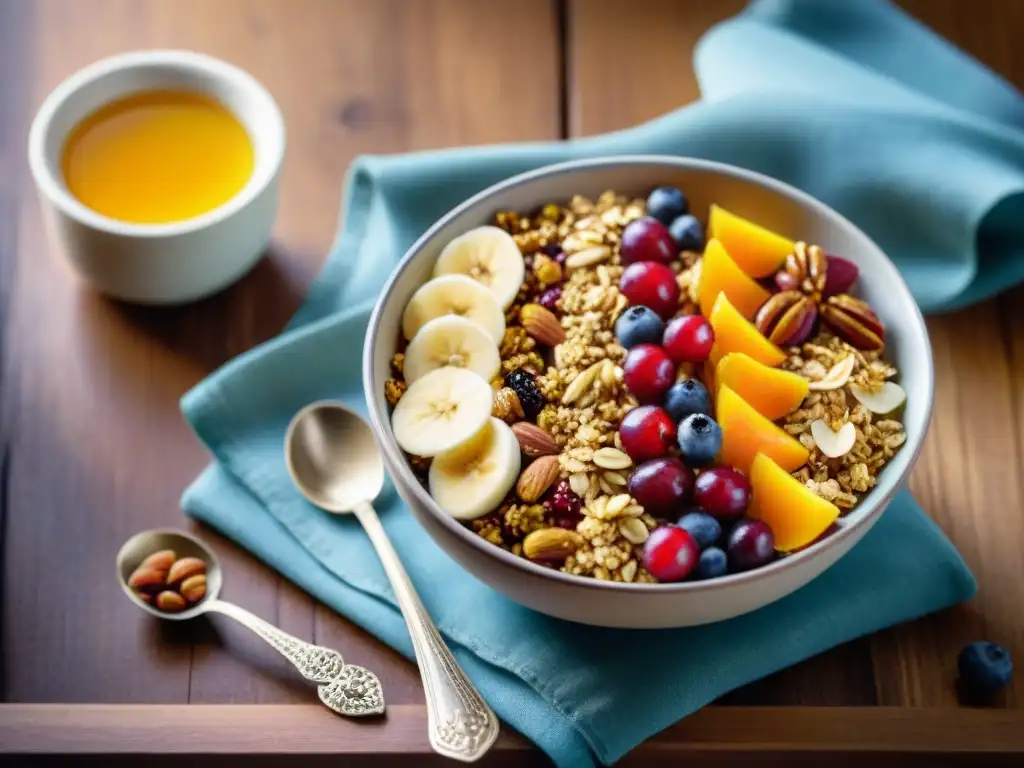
837, 375
588, 257
833, 444
883, 401
612, 458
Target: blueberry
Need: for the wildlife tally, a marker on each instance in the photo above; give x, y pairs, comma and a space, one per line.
704, 529
700, 439
667, 204
984, 668
639, 325
712, 564
687, 397
688, 233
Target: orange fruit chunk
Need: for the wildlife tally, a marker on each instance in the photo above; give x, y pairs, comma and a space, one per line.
795, 513
745, 433
772, 392
720, 274
734, 333
758, 251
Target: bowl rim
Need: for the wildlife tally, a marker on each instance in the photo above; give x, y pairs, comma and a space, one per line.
52, 186
374, 389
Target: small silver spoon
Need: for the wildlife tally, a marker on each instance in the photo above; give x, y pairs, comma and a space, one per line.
346, 688
334, 461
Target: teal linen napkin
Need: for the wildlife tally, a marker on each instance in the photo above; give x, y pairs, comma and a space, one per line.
851, 101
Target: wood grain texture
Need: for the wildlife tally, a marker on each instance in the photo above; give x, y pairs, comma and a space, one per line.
968, 475
276, 733
96, 448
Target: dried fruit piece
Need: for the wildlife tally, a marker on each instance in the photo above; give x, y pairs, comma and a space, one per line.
787, 318
833, 444
757, 250
795, 513
883, 401
841, 277
836, 377
542, 325
525, 386
854, 322
734, 333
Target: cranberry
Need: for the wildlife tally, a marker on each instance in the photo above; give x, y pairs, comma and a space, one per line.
688, 339
647, 239
648, 373
670, 553
647, 432
653, 285
563, 505
723, 492
549, 299
751, 545
662, 486
840, 275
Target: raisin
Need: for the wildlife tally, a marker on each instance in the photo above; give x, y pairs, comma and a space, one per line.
523, 384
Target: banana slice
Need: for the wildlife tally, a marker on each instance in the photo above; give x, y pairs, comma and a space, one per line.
454, 295
442, 410
470, 481
451, 340
488, 255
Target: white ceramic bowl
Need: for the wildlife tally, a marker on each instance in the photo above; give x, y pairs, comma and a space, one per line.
159, 263
766, 201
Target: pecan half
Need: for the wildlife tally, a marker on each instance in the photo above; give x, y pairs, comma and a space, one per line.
806, 270
787, 318
854, 322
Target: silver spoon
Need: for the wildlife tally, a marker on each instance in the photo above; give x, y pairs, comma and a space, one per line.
334, 461
345, 688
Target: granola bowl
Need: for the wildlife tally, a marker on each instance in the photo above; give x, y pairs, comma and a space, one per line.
646, 391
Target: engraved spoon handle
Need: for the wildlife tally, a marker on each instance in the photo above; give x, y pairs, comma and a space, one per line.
461, 724
345, 688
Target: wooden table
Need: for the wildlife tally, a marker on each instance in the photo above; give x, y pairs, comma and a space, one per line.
92, 446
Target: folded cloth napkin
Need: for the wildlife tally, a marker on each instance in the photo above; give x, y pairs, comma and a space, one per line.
852, 101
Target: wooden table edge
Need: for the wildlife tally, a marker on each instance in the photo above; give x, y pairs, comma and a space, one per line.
296, 730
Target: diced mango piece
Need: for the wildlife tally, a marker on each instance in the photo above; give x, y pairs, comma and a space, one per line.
720, 274
745, 433
758, 251
734, 333
795, 513
772, 392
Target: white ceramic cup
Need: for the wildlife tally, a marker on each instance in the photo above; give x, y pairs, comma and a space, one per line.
159, 263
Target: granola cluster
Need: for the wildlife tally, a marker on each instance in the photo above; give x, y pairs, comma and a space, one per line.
844, 479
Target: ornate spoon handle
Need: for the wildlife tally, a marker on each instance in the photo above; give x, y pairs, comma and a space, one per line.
461, 724
345, 688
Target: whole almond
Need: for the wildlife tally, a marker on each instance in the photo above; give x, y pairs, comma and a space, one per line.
533, 440
193, 589
551, 545
160, 561
183, 568
147, 580
542, 324
537, 478
169, 601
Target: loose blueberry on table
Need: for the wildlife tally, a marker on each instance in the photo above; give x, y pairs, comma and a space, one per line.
631, 390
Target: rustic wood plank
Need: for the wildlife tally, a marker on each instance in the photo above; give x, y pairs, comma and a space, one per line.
769, 736
968, 468
97, 448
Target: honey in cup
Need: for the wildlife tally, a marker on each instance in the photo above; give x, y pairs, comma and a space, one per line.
157, 157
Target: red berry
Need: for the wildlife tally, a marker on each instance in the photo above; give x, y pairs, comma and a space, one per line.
723, 492
563, 504
648, 372
662, 486
670, 553
647, 239
647, 432
653, 285
688, 339
751, 544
